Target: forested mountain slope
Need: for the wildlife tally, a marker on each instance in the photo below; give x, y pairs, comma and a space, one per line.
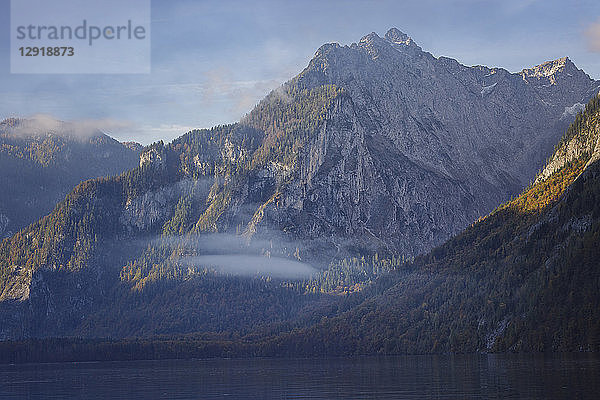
41, 165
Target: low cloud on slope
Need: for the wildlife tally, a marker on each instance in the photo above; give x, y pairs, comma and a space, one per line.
252, 265
40, 124
238, 255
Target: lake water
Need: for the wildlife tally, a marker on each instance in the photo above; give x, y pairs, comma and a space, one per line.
571, 376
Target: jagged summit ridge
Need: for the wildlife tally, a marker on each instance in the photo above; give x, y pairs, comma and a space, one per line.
549, 67
396, 43
552, 70
396, 36
477, 134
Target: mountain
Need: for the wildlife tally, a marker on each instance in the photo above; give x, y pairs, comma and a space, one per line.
377, 148
419, 147
525, 278
42, 162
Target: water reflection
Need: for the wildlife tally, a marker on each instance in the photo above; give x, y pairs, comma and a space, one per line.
411, 377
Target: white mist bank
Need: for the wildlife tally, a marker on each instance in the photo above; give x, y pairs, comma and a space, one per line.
229, 254
252, 265
41, 124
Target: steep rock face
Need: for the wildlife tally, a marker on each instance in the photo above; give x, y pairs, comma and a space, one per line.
418, 147
412, 150
525, 278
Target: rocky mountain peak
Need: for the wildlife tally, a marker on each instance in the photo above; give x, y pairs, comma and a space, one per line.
324, 49
393, 36
396, 36
396, 128
552, 70
370, 38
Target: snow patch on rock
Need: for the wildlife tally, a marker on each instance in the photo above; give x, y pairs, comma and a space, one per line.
573, 110
488, 89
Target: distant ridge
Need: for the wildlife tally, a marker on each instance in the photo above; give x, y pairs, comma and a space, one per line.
42, 160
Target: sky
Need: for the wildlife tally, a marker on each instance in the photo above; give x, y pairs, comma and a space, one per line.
212, 61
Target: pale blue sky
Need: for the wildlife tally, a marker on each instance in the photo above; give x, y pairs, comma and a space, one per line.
213, 60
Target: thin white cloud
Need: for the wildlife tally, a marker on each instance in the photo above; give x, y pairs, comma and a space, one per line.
39, 124
240, 255
148, 133
592, 36
250, 266
241, 95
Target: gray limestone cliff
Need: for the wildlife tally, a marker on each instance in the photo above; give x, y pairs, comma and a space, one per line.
419, 147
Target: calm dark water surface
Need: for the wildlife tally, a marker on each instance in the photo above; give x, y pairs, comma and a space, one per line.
570, 376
